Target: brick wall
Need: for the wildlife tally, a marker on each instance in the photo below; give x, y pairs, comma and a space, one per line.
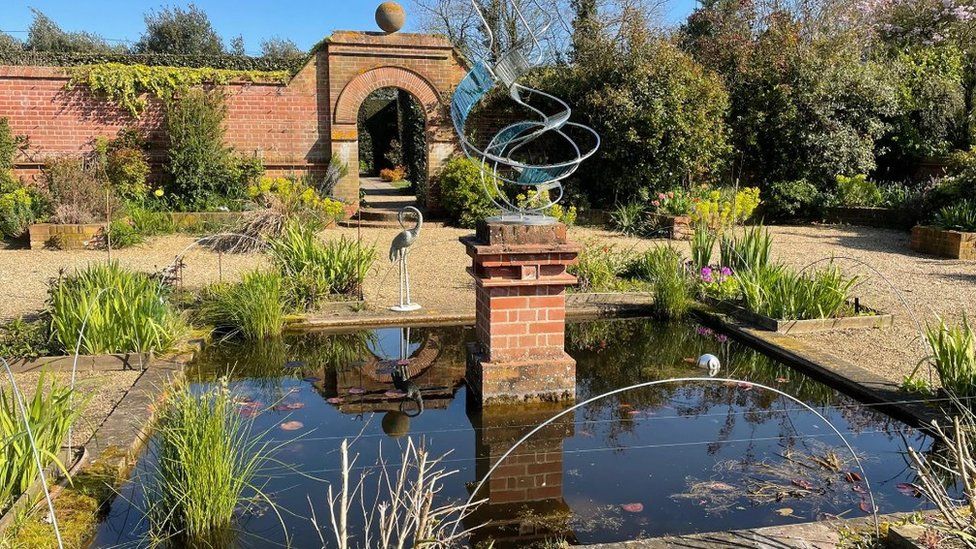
293, 127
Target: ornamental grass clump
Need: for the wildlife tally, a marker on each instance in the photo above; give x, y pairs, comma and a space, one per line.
251, 309
672, 287
50, 414
126, 311
206, 467
953, 356
750, 250
313, 270
778, 292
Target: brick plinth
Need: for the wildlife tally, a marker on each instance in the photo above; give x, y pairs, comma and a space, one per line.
520, 286
943, 243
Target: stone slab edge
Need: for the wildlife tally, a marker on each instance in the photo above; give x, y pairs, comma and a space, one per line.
837, 372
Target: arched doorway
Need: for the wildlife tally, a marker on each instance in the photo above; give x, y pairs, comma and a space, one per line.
392, 136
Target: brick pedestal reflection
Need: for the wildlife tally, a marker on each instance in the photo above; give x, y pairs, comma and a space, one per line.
520, 283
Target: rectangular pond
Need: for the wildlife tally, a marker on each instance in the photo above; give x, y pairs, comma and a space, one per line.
675, 458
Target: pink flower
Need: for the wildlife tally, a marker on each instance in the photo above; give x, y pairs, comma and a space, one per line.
706, 274
662, 196
726, 271
656, 203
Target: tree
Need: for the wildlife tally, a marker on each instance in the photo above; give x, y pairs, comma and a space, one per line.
585, 27
237, 46
280, 47
9, 44
180, 31
45, 35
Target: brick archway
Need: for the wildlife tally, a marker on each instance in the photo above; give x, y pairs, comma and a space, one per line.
425, 66
358, 89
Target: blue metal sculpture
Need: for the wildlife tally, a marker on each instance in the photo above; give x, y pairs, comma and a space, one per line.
501, 159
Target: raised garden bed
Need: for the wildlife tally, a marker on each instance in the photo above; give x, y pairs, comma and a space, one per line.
65, 236
884, 218
943, 242
869, 319
677, 227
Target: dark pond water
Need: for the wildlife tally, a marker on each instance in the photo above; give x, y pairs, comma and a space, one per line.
669, 459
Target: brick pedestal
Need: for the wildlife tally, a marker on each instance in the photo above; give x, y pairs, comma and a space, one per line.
520, 283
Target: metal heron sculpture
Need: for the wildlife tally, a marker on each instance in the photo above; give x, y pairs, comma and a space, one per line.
398, 253
515, 158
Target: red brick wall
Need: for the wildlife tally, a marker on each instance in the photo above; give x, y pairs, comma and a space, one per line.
292, 127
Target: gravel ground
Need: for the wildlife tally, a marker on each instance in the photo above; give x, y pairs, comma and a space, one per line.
103, 390
930, 287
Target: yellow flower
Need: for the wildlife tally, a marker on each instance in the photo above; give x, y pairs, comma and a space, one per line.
158, 192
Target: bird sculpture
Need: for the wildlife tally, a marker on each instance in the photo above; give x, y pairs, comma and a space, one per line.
398, 253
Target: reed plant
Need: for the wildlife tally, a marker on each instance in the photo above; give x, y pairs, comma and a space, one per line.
782, 293
126, 311
313, 270
953, 356
50, 414
702, 244
671, 283
750, 250
252, 308
206, 469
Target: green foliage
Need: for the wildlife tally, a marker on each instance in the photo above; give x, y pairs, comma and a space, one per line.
20, 57
659, 113
750, 250
199, 163
781, 293
252, 308
282, 48
663, 267
9, 144
857, 191
463, 193
127, 85
600, 268
19, 207
958, 217
207, 464
45, 35
313, 270
21, 338
953, 356
787, 200
76, 190
175, 30
50, 413
124, 234
629, 218
127, 170
126, 311
702, 245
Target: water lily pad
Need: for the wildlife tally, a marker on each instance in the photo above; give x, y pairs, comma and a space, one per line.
356, 390
866, 506
334, 400
632, 507
784, 512
291, 425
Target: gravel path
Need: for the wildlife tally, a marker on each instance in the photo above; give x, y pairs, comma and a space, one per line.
928, 285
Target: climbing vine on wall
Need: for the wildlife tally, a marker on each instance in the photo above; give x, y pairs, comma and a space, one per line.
128, 85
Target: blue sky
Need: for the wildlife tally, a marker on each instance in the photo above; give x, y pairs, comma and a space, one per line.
304, 21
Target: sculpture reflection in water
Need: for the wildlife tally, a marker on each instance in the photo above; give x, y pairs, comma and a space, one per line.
530, 157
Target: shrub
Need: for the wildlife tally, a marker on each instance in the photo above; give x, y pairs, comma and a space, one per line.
393, 174
127, 170
9, 144
296, 199
720, 284
599, 268
676, 202
126, 311
751, 250
252, 308
958, 217
206, 466
778, 292
19, 207
122, 233
313, 269
857, 191
724, 207
20, 338
76, 193
50, 414
199, 164
953, 356
660, 115
786, 200
464, 194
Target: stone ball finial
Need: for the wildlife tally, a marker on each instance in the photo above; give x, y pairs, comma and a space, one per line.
390, 17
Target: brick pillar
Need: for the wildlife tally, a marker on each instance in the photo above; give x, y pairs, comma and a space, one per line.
528, 485
520, 284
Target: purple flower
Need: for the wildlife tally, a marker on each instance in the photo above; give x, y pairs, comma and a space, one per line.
706, 274
726, 271
721, 338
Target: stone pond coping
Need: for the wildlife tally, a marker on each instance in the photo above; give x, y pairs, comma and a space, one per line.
943, 242
876, 319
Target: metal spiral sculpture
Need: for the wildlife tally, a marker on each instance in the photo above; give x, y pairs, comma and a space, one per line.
499, 159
